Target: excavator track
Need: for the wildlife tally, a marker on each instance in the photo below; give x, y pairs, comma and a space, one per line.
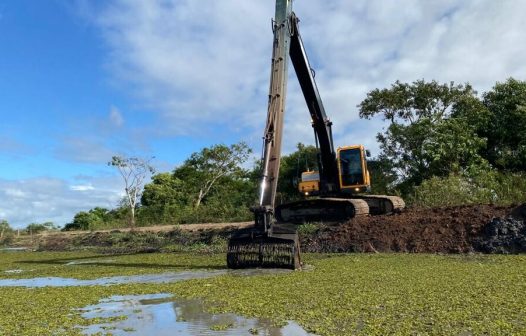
321, 209
382, 204
338, 209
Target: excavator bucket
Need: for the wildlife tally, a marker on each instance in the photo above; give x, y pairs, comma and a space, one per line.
248, 249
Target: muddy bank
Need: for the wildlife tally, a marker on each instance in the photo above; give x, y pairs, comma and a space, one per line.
444, 230
460, 229
138, 241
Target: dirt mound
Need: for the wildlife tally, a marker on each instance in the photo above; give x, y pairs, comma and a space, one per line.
448, 230
503, 235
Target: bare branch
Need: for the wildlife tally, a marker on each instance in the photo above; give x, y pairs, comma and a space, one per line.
133, 171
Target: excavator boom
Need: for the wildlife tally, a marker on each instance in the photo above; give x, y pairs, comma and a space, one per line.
273, 241
267, 244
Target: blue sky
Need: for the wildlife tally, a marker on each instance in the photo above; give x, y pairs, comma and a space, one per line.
83, 80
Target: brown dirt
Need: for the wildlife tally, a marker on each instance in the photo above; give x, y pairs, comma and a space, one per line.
60, 241
164, 228
447, 230
458, 229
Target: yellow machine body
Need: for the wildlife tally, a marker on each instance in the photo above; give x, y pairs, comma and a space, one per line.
310, 183
352, 169
353, 175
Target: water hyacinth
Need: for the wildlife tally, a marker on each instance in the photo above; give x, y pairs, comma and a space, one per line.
360, 294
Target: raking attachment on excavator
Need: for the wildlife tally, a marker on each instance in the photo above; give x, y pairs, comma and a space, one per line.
250, 248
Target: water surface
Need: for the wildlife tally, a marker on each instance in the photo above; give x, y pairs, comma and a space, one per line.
14, 249
163, 315
145, 278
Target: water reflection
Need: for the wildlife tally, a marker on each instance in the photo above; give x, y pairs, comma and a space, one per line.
106, 281
146, 278
14, 249
161, 314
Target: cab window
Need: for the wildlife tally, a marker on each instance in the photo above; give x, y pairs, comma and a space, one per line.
310, 176
351, 167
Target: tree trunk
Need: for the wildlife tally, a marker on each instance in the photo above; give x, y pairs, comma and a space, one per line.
132, 222
199, 198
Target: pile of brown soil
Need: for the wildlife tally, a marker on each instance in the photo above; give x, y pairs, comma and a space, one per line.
446, 230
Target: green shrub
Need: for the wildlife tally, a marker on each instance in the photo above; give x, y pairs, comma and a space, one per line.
482, 187
308, 228
7, 239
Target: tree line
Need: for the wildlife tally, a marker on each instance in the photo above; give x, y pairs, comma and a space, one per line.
7, 233
443, 144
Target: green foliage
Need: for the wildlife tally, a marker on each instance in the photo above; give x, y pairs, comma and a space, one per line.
133, 171
98, 219
164, 200
309, 228
165, 188
506, 128
6, 233
449, 140
203, 170
383, 176
366, 294
482, 187
423, 140
35, 228
211, 186
84, 221
5, 228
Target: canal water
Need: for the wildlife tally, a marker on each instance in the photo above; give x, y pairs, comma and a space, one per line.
145, 278
162, 314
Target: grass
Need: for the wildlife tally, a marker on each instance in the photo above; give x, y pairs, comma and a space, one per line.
360, 294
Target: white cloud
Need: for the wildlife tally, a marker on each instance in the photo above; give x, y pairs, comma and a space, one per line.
192, 62
203, 66
81, 187
202, 69
50, 199
116, 118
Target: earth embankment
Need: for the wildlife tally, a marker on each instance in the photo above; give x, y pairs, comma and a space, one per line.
460, 229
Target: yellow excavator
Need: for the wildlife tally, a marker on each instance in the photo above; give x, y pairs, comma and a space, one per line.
355, 176
337, 191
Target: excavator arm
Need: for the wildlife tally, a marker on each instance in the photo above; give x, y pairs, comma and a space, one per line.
273, 244
267, 244
276, 105
287, 40
327, 164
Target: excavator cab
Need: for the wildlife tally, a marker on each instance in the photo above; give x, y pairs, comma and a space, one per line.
352, 169
353, 175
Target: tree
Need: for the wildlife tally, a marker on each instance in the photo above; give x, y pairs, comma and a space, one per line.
506, 127
164, 189
164, 199
423, 138
35, 228
207, 167
382, 175
4, 228
88, 220
134, 172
